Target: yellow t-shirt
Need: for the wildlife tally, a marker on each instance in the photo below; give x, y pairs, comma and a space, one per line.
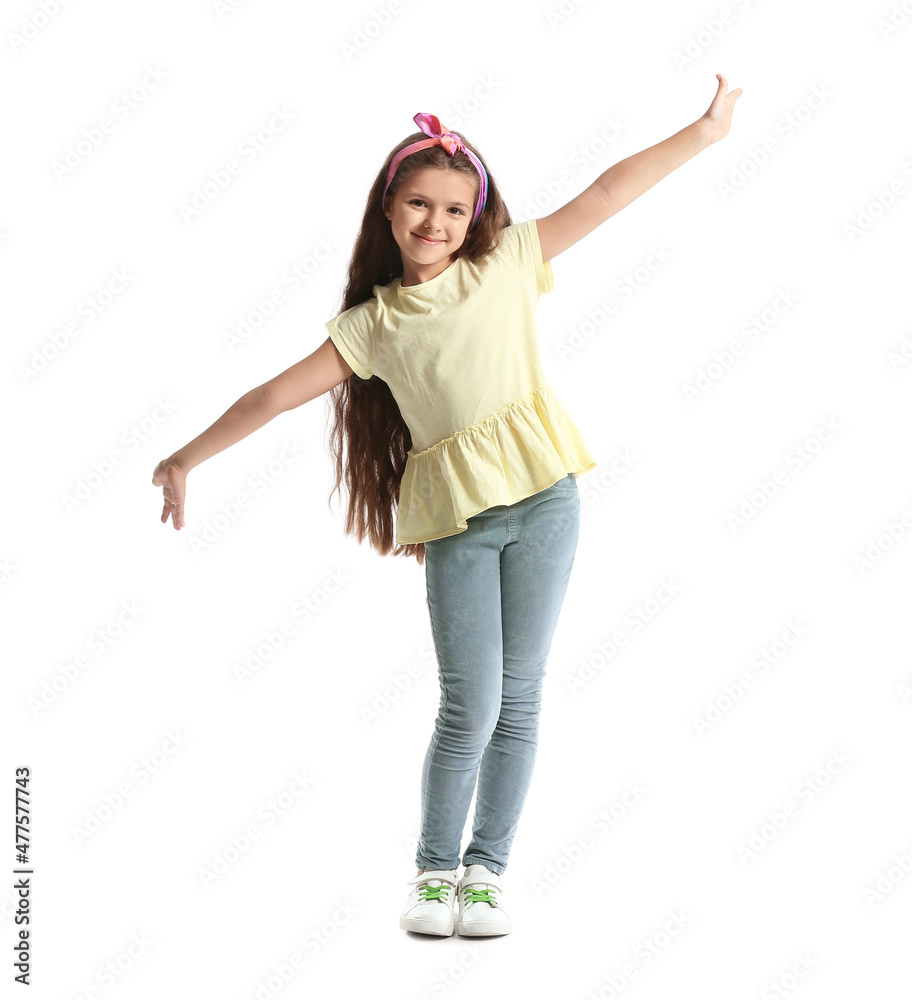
461, 357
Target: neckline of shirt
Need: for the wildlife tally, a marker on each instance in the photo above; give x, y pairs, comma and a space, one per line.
426, 284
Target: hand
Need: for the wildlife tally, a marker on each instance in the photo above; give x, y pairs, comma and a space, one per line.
169, 475
718, 118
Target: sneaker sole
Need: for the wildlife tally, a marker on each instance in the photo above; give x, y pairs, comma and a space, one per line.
483, 929
438, 927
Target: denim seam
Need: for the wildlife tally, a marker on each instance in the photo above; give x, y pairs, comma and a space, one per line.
446, 711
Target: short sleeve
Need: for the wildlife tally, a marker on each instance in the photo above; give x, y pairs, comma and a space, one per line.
351, 331
543, 274
522, 243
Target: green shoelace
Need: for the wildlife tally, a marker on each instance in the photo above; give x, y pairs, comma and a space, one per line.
480, 896
426, 892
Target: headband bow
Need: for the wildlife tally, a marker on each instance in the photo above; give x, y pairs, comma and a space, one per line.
430, 125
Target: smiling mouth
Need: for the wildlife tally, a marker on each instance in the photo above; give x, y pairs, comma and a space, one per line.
428, 240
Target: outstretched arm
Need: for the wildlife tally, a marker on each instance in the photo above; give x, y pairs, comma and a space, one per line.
319, 372
622, 183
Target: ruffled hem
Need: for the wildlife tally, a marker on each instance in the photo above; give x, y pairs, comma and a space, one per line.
517, 451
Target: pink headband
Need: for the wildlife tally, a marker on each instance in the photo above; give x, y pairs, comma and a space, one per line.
430, 124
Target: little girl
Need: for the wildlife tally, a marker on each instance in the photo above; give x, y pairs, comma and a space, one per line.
442, 413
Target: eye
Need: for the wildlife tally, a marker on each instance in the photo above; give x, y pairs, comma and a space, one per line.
421, 201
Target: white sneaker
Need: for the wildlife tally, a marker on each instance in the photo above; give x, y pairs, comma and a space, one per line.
481, 903
432, 903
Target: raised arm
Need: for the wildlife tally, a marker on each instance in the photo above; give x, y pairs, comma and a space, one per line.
317, 373
624, 182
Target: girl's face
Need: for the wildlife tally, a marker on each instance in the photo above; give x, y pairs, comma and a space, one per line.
437, 204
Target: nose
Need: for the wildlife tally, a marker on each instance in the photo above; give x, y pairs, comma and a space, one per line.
432, 220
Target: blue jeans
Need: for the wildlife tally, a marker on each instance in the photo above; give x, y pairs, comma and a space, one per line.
494, 592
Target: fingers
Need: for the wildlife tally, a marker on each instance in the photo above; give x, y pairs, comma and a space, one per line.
172, 485
723, 85
175, 510
177, 514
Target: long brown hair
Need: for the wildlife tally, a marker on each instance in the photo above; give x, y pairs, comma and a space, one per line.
365, 416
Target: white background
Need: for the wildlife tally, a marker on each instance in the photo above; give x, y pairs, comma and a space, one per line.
805, 237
